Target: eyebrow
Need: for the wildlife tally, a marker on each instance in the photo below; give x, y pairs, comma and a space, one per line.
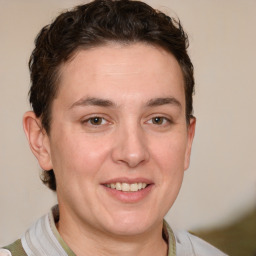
92, 101
164, 101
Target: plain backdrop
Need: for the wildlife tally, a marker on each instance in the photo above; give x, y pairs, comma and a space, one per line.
221, 182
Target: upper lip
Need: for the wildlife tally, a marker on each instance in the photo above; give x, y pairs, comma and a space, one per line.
128, 180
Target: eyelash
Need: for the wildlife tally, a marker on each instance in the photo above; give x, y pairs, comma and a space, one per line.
90, 119
163, 121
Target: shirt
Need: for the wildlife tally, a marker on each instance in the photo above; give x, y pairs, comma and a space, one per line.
43, 239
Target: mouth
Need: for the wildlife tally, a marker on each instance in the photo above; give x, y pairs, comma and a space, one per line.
127, 187
128, 190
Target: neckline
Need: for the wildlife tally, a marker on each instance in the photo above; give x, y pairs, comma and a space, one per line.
168, 234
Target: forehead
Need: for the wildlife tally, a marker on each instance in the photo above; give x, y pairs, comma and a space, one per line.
121, 70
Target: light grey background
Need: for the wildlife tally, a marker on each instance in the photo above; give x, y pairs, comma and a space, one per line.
221, 182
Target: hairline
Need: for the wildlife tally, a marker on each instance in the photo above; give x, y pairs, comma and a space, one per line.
95, 45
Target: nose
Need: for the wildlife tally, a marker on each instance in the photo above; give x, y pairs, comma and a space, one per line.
130, 147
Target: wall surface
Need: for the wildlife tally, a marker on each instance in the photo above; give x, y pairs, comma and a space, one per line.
221, 182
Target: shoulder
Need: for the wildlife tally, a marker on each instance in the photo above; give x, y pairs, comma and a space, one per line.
188, 244
5, 252
14, 249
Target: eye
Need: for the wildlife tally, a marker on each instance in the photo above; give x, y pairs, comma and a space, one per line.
159, 120
96, 120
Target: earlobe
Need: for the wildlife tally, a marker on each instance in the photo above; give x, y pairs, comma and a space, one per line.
38, 140
191, 133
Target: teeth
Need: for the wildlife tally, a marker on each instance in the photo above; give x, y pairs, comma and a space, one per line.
118, 186
126, 187
134, 187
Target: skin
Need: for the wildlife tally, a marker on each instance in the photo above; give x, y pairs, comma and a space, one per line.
136, 94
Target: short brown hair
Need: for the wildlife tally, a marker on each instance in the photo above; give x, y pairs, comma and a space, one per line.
95, 24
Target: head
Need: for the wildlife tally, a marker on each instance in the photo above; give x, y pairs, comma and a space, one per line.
89, 36
96, 24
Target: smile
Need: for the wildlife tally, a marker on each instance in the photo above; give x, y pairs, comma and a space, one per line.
126, 187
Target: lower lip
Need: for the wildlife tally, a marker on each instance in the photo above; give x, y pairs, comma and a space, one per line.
129, 197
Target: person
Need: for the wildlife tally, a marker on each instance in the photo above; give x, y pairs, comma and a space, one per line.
112, 128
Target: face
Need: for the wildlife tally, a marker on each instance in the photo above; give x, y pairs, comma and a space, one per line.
119, 142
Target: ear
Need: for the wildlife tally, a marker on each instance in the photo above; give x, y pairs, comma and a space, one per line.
38, 140
191, 133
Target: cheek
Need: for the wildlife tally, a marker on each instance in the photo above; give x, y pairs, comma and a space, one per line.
169, 153
169, 158
78, 154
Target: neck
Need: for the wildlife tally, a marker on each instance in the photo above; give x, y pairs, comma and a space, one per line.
85, 240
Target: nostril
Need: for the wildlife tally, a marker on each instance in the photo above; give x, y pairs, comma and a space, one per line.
130, 147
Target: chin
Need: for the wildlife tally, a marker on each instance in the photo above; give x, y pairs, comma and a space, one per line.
131, 225
129, 230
